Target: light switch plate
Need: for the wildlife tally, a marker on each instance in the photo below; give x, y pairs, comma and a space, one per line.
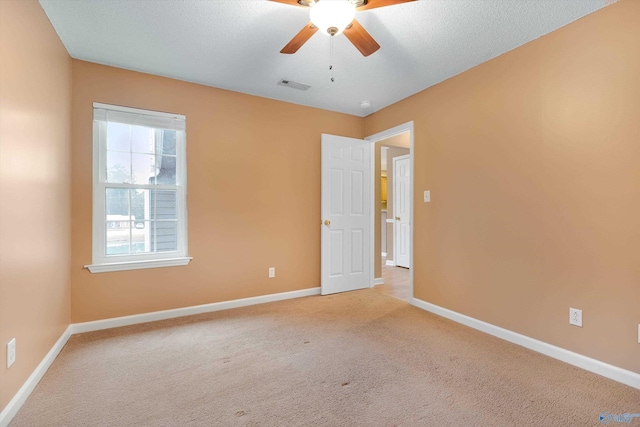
11, 352
427, 196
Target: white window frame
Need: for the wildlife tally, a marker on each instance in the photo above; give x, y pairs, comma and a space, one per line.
159, 120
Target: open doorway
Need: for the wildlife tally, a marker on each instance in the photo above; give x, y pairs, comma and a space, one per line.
351, 213
393, 208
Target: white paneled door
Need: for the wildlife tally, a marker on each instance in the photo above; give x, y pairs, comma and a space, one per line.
346, 217
402, 210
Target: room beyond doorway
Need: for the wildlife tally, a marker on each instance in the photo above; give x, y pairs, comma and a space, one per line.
397, 282
389, 146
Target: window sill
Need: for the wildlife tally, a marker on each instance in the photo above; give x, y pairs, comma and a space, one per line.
137, 265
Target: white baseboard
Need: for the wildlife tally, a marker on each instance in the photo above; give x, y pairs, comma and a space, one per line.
390, 263
21, 396
115, 322
597, 367
378, 281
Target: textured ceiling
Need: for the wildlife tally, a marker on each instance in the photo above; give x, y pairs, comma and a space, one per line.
235, 44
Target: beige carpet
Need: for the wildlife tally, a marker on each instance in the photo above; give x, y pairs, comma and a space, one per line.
360, 358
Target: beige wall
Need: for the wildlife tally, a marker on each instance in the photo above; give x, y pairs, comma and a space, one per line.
401, 140
254, 194
35, 101
532, 160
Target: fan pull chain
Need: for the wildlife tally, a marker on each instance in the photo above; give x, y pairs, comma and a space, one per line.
331, 57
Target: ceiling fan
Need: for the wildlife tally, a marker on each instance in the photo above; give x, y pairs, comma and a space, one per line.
334, 17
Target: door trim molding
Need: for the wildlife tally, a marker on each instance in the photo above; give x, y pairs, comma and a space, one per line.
386, 134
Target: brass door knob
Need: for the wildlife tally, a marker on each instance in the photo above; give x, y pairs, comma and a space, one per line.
397, 218
327, 222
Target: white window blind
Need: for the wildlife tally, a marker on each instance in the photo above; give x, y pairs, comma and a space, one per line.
132, 116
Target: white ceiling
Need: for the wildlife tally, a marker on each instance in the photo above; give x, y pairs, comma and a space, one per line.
235, 44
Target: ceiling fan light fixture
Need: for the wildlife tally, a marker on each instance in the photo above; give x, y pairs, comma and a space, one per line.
332, 16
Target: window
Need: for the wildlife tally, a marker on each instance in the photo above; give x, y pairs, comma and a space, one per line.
139, 189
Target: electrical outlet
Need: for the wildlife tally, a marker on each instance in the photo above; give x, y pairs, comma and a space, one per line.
272, 272
427, 196
575, 317
11, 352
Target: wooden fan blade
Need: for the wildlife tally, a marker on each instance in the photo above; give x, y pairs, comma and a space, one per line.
289, 2
300, 39
372, 4
361, 39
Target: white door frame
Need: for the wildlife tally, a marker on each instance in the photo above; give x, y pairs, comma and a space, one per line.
386, 134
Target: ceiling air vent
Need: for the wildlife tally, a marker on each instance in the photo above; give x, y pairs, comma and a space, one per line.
293, 85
